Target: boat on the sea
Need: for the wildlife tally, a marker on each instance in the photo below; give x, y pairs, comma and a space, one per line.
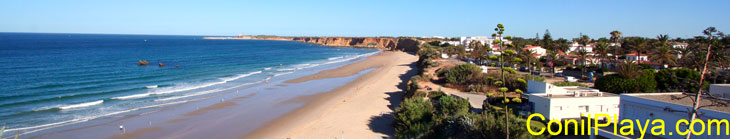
161, 64
151, 86
143, 63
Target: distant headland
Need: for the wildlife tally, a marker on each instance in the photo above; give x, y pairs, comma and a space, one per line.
389, 43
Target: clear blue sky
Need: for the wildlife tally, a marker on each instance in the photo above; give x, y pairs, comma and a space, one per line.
567, 19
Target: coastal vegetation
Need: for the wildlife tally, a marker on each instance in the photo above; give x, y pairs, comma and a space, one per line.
449, 117
621, 64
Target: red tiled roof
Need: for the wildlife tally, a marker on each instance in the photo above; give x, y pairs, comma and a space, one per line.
634, 54
536, 46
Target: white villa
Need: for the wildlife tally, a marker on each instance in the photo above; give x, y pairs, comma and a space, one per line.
569, 102
633, 57
537, 49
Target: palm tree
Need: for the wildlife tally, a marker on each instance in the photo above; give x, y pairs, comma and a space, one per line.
616, 37
527, 55
628, 70
664, 55
601, 50
583, 40
638, 44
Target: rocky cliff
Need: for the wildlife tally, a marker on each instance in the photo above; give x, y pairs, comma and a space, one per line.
403, 44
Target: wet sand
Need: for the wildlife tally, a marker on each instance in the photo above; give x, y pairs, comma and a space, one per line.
360, 109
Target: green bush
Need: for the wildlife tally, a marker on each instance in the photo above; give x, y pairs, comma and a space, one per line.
451, 106
569, 84
618, 84
533, 77
436, 95
677, 80
412, 87
428, 53
462, 74
413, 118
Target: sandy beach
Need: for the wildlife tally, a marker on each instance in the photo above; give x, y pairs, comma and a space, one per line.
360, 109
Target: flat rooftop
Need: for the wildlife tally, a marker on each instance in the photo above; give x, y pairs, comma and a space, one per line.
590, 94
678, 98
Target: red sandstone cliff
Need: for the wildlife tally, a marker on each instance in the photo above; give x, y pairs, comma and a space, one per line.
403, 44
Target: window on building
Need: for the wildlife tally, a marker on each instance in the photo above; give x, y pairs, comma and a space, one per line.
583, 108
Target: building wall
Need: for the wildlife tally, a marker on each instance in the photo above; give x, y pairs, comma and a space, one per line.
562, 108
633, 108
722, 90
573, 107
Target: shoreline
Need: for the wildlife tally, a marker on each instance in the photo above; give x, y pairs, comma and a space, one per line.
256, 109
341, 111
235, 113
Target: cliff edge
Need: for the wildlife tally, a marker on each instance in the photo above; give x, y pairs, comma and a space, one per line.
402, 44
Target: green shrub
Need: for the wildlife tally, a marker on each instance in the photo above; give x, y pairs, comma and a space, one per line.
492, 64
569, 84
413, 118
452, 106
490, 96
428, 53
436, 95
533, 77
461, 74
412, 87
677, 80
618, 84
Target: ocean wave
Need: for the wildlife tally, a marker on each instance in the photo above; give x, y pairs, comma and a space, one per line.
168, 90
267, 68
81, 105
83, 119
334, 58
135, 96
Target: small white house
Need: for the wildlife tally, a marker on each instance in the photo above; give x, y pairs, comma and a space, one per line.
569, 102
633, 57
721, 90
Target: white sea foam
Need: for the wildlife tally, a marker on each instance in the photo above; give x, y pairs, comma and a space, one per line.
279, 74
193, 87
334, 58
267, 68
286, 69
135, 96
204, 92
81, 105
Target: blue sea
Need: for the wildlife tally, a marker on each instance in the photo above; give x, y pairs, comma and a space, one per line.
52, 79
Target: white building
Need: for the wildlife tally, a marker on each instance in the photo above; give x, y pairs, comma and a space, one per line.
569, 102
537, 49
454, 43
721, 90
679, 45
633, 57
671, 107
